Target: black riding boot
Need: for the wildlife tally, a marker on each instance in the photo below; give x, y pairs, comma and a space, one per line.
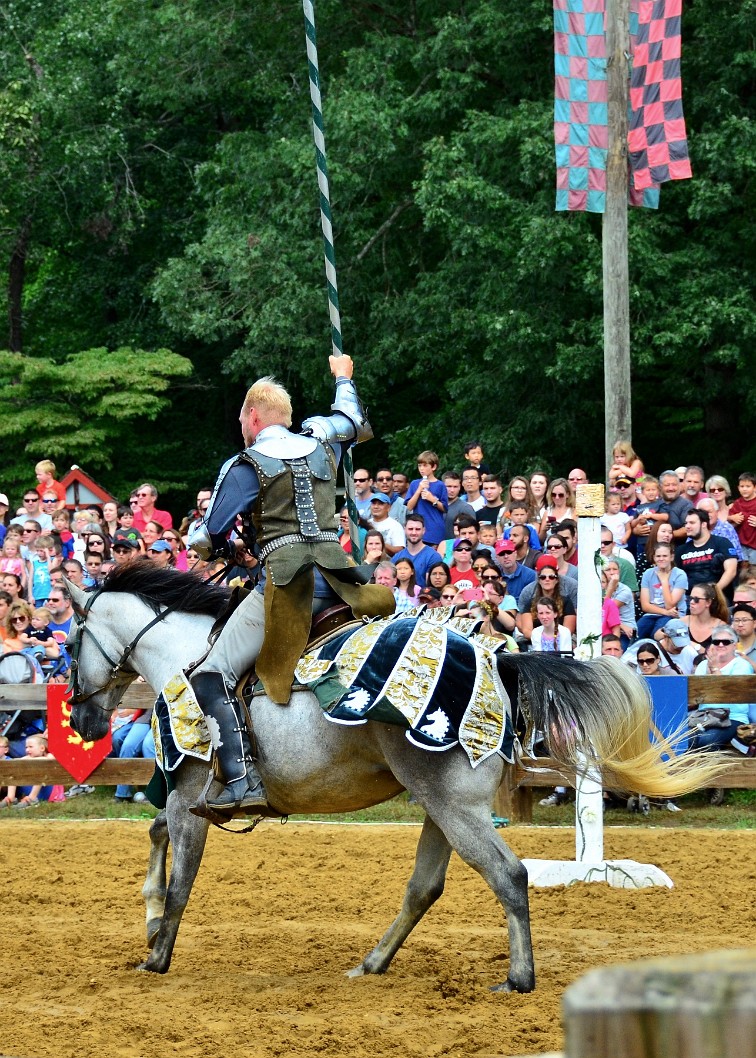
228, 732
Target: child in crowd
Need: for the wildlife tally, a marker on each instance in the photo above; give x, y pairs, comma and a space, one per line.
11, 561
93, 564
61, 528
743, 515
36, 746
126, 528
407, 591
4, 754
38, 632
475, 458
42, 559
427, 496
517, 514
615, 519
487, 537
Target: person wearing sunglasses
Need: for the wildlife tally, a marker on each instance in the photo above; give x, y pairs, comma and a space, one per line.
146, 511
556, 546
547, 585
649, 660
722, 659
560, 501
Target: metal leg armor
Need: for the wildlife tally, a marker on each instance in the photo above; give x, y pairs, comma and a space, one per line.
244, 789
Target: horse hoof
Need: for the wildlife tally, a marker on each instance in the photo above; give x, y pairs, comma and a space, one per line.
356, 971
148, 967
153, 928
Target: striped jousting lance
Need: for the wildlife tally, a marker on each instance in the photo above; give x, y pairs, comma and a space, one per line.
329, 252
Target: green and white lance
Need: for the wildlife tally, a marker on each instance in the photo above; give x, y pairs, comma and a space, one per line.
318, 133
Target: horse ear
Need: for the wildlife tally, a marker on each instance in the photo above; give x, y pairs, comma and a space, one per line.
78, 597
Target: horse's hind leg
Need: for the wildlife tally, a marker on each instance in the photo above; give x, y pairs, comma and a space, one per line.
188, 834
153, 889
471, 834
425, 887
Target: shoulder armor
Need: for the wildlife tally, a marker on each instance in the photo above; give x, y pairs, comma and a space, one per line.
349, 421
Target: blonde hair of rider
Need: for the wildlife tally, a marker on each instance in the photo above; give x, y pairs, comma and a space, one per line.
270, 400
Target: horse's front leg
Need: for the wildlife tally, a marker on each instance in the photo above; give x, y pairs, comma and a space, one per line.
153, 889
188, 834
425, 887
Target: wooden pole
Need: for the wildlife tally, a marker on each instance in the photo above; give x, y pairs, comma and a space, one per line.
617, 415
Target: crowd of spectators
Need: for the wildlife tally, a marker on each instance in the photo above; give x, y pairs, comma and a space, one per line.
678, 557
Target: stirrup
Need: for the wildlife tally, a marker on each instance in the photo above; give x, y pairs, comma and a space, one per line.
229, 800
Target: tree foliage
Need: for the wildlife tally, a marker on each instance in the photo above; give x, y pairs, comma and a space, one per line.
156, 165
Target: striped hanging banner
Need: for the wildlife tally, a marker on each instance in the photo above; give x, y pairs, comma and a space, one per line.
657, 138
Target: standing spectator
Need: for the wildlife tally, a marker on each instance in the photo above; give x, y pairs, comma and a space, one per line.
33, 511
401, 485
719, 490
427, 496
493, 504
577, 477
566, 530
703, 557
743, 515
472, 479
391, 531
744, 626
152, 531
407, 591
110, 518
722, 660
363, 490
384, 483
421, 556
560, 502
126, 551
146, 511
38, 569
673, 507
615, 519
61, 530
527, 554
173, 538
160, 554
453, 482
11, 561
539, 486
518, 492
693, 483
463, 576
550, 634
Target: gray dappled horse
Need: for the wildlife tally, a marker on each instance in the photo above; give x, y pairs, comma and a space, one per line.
151, 622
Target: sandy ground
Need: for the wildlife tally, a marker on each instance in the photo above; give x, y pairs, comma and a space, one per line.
278, 916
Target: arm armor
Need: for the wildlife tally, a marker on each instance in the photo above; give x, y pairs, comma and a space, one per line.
349, 421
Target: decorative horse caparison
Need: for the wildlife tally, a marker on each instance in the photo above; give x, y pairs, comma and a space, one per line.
308, 764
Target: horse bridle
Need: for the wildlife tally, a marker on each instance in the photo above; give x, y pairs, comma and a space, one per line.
118, 674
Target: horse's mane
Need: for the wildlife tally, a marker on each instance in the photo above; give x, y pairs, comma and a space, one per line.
167, 587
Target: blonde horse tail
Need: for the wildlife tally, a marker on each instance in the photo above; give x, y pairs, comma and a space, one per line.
600, 711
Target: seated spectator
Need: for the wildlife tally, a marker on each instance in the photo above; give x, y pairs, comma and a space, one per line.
610, 618
722, 660
386, 573
743, 515
704, 557
178, 547
556, 547
660, 533
482, 562
420, 554
519, 494
5, 602
547, 585
566, 530
662, 593
378, 518
93, 564
160, 553
74, 571
344, 534
720, 528
550, 634
611, 647
151, 532
625, 602
649, 659
132, 737
126, 525
518, 514
36, 746
504, 619
4, 505
11, 583
461, 570
125, 550
449, 595
674, 637
744, 626
486, 539
516, 575
373, 552
539, 487
17, 620
610, 550
39, 632
527, 555
708, 612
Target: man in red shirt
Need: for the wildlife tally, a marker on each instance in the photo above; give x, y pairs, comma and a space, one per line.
146, 511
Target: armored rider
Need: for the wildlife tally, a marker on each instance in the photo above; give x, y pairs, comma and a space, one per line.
286, 482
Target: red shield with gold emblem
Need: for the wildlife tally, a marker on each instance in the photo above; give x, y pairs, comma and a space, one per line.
78, 757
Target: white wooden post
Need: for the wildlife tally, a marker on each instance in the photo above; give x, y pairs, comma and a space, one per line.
589, 864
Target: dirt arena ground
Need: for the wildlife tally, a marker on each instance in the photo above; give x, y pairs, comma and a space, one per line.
278, 916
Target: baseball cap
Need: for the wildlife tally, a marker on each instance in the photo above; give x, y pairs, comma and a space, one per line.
544, 561
462, 542
677, 632
624, 482
4, 499
504, 545
126, 534
379, 497
159, 545
124, 541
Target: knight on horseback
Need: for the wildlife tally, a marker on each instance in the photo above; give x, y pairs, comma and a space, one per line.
286, 484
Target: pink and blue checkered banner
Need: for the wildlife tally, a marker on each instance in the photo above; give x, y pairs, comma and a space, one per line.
656, 141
